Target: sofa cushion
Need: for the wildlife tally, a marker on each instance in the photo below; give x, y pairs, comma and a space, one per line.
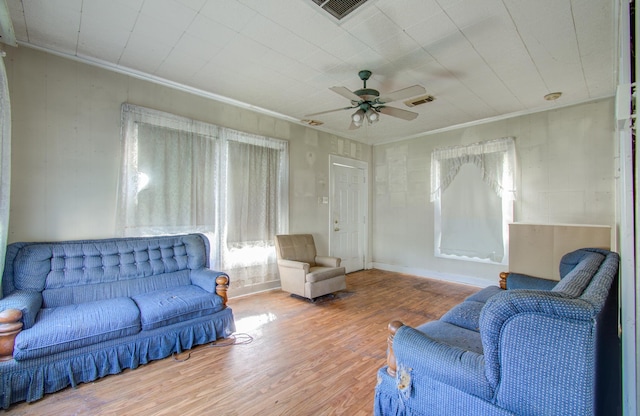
484, 294
317, 274
453, 335
166, 307
465, 315
73, 326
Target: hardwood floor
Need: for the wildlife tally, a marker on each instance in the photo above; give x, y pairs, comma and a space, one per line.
303, 359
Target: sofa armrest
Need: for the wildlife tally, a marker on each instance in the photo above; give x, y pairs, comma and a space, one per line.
18, 311
502, 309
292, 264
328, 261
27, 302
510, 280
211, 281
416, 353
10, 327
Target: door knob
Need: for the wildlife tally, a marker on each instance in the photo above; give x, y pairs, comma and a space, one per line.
336, 229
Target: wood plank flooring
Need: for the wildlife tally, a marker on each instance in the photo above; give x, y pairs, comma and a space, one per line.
303, 359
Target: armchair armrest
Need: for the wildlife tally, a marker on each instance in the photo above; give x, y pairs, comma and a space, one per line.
211, 281
413, 352
328, 261
292, 264
510, 281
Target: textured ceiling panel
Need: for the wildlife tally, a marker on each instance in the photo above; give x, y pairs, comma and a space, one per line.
339, 8
479, 59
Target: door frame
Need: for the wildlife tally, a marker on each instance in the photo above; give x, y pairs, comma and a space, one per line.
364, 201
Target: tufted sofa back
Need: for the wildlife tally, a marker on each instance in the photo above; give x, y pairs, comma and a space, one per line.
82, 271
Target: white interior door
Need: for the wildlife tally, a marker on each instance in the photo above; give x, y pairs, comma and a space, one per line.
348, 212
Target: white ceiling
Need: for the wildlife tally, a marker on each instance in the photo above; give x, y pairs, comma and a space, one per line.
480, 58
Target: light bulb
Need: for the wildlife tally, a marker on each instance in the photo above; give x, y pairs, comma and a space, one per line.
358, 116
372, 116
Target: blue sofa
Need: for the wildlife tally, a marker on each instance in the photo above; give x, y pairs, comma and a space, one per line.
537, 348
75, 311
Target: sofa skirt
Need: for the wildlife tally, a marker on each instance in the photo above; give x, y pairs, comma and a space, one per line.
30, 380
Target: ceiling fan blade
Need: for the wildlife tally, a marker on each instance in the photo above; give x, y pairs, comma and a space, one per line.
402, 94
328, 111
397, 112
346, 93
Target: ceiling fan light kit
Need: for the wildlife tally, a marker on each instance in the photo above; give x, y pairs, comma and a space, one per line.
358, 117
369, 104
372, 116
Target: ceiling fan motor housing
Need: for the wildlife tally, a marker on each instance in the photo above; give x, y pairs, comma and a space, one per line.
367, 94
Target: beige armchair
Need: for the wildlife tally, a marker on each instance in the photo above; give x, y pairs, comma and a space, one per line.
304, 273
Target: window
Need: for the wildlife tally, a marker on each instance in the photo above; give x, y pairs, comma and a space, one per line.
473, 190
180, 175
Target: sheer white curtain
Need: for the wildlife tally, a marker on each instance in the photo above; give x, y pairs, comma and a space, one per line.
181, 175
473, 189
5, 162
256, 204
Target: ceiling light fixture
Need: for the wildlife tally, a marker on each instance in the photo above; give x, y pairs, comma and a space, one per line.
358, 117
369, 114
552, 96
372, 116
312, 122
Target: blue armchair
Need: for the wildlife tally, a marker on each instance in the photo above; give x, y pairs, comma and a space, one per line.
517, 351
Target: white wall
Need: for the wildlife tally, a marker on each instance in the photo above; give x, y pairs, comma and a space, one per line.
567, 160
66, 156
66, 147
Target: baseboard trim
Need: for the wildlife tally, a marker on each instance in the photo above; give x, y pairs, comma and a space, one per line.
447, 277
253, 289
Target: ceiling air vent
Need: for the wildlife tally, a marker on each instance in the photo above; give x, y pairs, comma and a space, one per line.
419, 100
339, 8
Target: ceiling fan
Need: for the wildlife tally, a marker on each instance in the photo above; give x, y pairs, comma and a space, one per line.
369, 103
